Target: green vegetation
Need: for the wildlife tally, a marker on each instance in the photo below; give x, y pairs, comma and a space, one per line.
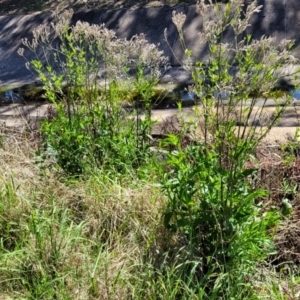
103, 211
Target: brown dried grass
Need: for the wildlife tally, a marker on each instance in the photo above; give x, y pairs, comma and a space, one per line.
121, 219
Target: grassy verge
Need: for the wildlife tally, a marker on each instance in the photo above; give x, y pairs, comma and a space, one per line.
31, 6
104, 211
103, 238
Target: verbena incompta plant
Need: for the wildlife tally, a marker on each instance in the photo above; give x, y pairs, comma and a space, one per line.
91, 128
217, 232
211, 203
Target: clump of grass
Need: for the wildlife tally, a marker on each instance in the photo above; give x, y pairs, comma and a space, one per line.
71, 240
90, 128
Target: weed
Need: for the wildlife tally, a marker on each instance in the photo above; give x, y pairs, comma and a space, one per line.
91, 129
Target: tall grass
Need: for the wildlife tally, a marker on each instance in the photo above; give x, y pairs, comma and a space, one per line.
89, 127
100, 238
86, 240
212, 204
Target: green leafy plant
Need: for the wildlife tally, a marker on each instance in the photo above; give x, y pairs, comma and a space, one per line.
211, 202
90, 128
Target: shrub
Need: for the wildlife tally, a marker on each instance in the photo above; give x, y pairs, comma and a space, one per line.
91, 129
211, 203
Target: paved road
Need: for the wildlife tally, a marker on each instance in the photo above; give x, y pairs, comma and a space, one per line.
17, 115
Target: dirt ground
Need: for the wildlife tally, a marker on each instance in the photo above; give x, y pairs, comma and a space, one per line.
9, 7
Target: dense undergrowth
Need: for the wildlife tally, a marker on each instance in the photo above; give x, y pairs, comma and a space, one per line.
104, 238
92, 207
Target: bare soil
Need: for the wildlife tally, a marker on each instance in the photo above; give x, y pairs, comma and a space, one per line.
270, 159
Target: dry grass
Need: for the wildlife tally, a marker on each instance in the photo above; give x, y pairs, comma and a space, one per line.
100, 230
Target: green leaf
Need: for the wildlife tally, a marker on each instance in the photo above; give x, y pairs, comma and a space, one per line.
287, 207
249, 172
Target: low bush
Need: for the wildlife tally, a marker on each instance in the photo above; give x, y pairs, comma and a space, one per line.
215, 230
211, 202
